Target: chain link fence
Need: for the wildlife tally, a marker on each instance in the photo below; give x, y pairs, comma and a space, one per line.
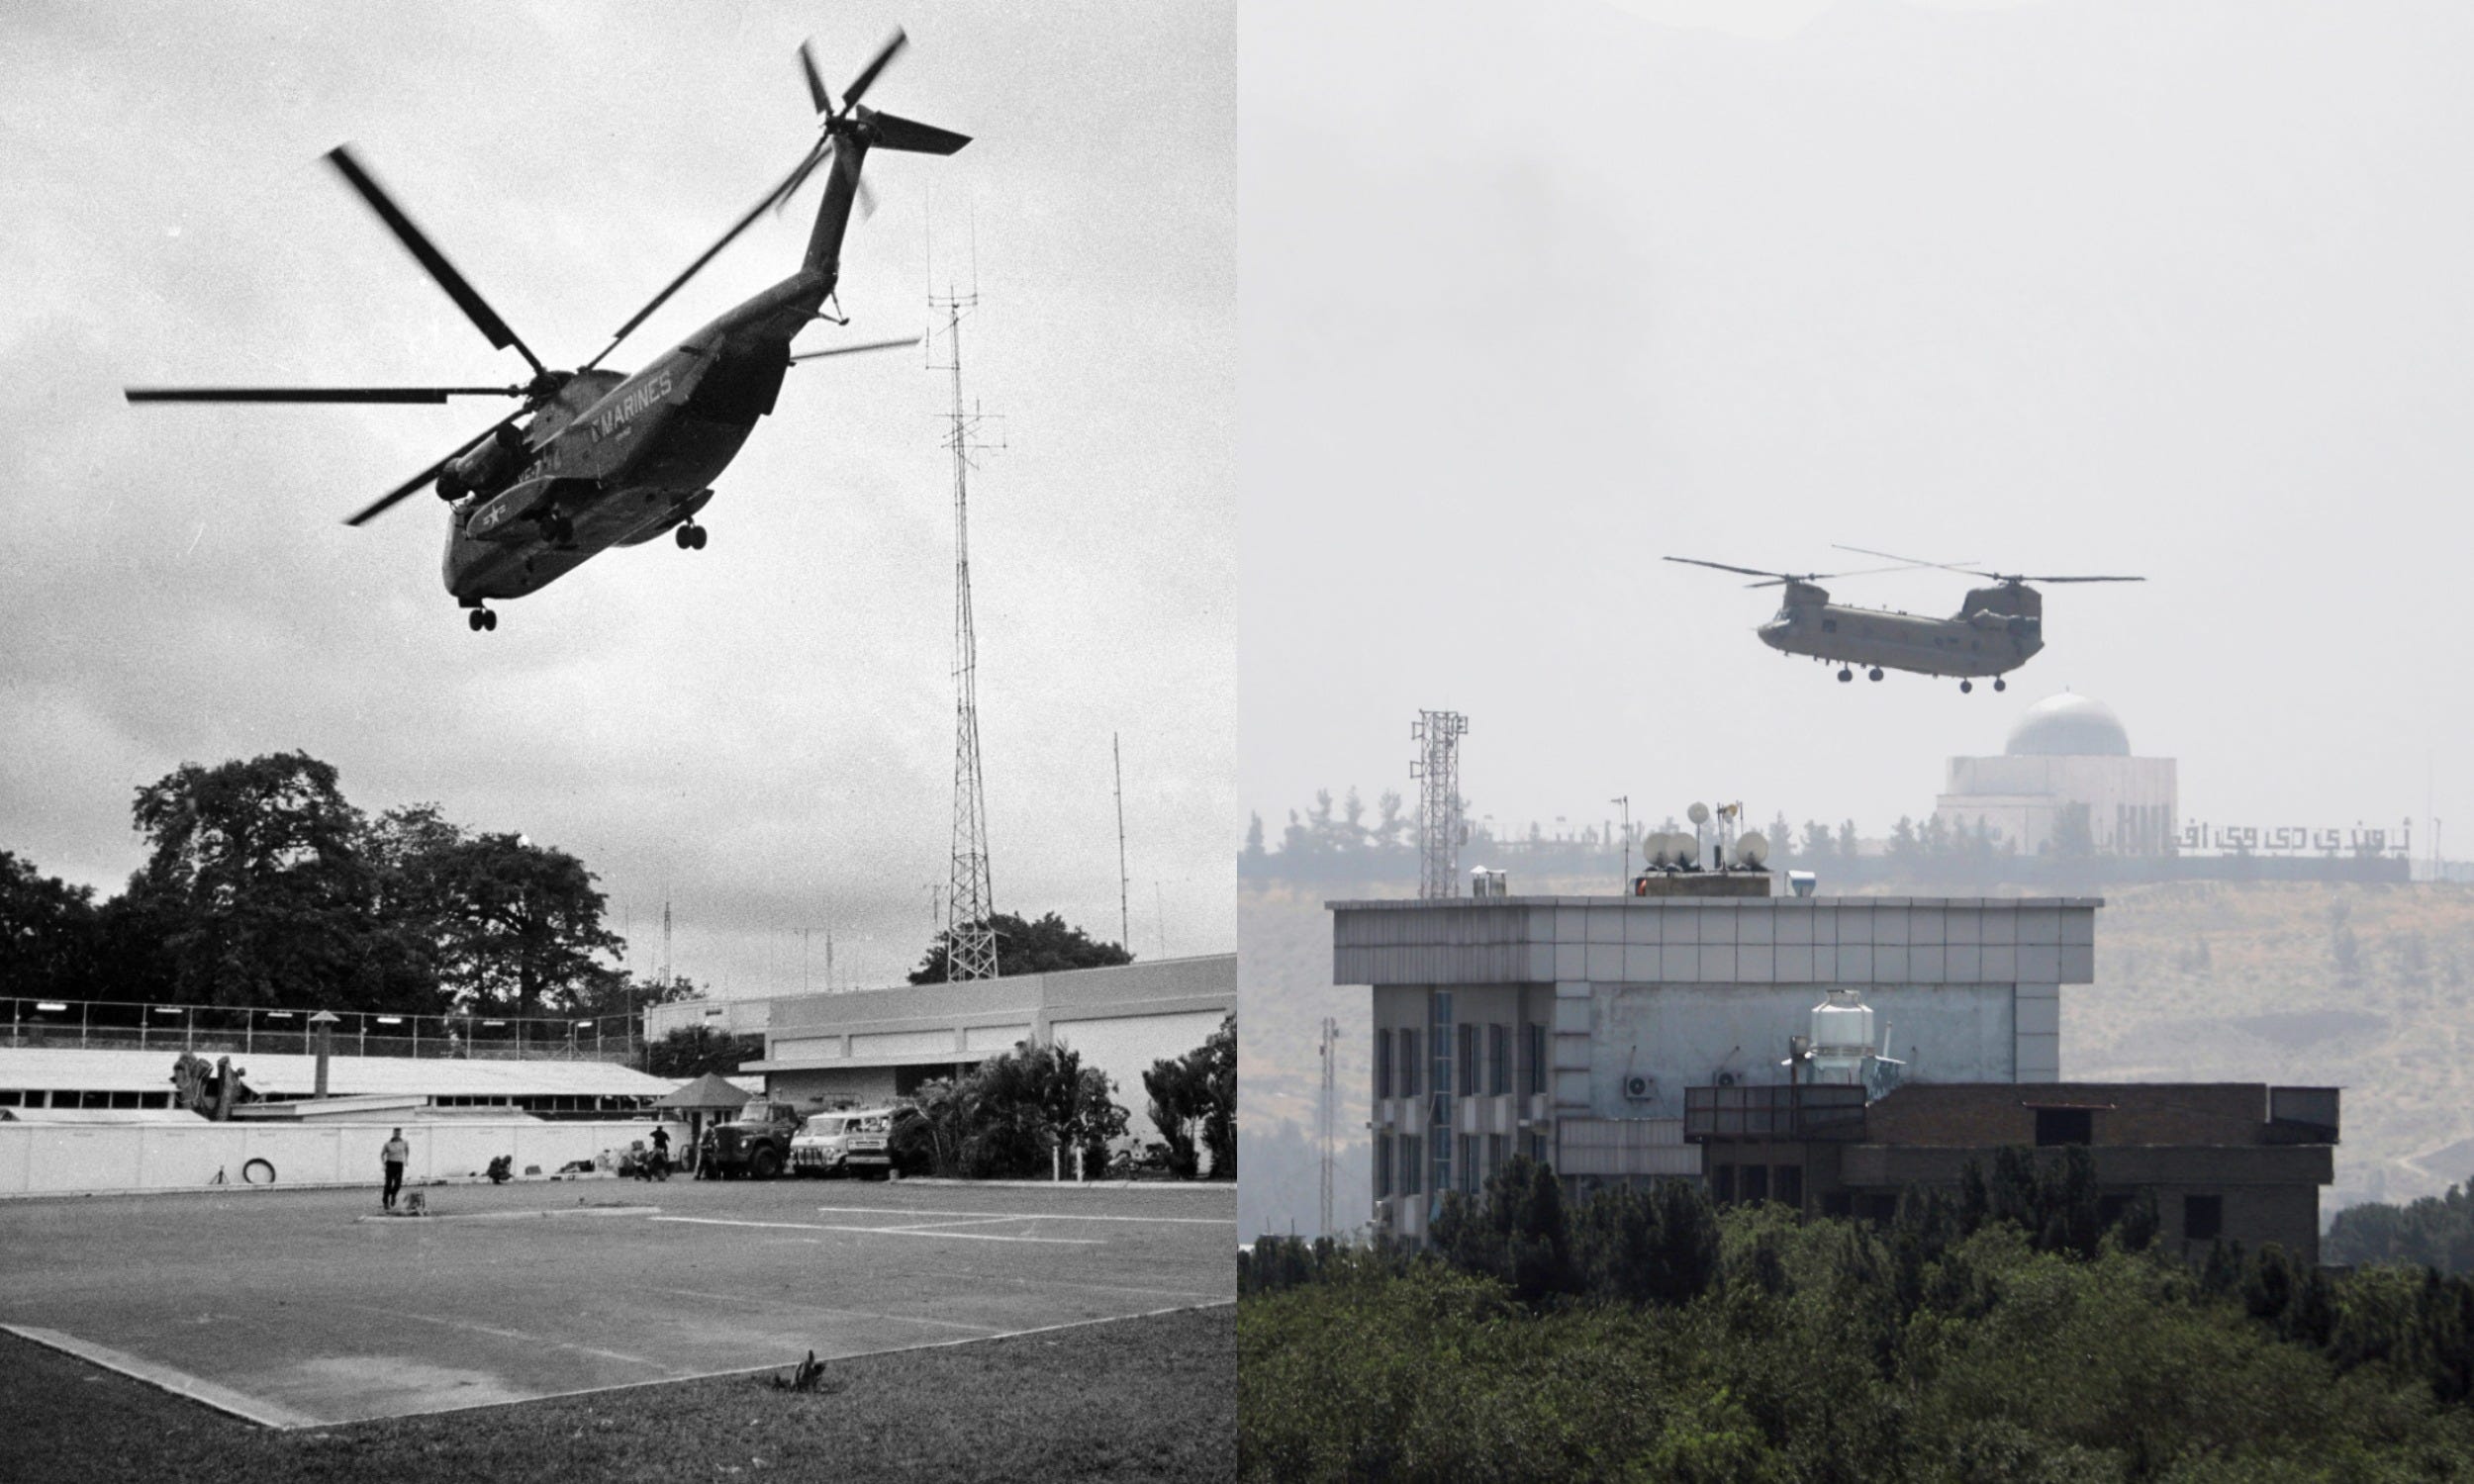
107, 1025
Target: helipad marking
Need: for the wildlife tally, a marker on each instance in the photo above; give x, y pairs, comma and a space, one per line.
517, 1335
179, 1382
391, 1219
770, 1301
1185, 1221
809, 1226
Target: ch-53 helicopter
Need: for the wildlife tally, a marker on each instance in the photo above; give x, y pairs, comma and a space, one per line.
1996, 629
597, 458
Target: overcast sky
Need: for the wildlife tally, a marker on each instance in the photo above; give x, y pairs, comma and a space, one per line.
1536, 293
762, 731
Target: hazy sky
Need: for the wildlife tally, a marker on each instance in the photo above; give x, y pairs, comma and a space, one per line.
761, 731
1534, 295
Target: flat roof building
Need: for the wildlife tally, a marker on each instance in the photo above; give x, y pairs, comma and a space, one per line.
1569, 1028
875, 1045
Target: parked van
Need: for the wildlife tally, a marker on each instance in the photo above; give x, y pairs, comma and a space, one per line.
844, 1141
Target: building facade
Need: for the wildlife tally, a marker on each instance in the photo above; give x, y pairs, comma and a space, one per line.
2222, 1161
1569, 1028
2067, 765
871, 1046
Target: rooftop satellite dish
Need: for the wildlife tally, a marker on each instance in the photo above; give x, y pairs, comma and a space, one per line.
1751, 849
1698, 814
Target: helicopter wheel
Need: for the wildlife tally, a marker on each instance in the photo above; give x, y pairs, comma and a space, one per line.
690, 537
480, 620
1876, 672
1966, 686
1999, 684
1845, 675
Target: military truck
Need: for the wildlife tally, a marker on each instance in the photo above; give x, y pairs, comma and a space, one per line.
755, 1144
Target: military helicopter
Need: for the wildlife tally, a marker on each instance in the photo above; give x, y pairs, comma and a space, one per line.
1996, 629
598, 458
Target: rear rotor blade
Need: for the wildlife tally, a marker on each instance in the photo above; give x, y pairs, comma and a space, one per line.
817, 355
2082, 579
1892, 556
313, 394
860, 84
788, 183
475, 309
387, 500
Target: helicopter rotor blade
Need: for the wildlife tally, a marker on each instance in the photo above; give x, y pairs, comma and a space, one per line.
313, 394
788, 183
1724, 567
387, 501
816, 81
476, 309
817, 355
2082, 579
860, 84
1892, 556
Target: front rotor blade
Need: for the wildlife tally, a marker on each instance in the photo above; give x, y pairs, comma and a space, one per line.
1892, 556
859, 85
484, 318
313, 394
2082, 579
1723, 567
386, 501
788, 183
816, 84
817, 355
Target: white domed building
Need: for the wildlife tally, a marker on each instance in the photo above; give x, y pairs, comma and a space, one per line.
2067, 753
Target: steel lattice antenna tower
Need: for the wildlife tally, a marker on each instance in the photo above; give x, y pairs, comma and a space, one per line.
1436, 771
970, 901
1330, 1115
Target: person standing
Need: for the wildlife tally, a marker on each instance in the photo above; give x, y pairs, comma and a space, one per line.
393, 1158
661, 1150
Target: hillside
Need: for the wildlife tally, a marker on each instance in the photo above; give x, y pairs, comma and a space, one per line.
2360, 986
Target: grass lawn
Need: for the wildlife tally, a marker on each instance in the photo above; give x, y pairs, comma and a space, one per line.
1149, 1399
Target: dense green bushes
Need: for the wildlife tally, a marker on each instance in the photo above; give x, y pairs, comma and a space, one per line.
2437, 1231
1663, 1339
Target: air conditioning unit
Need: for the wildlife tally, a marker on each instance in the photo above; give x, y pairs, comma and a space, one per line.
1726, 1079
1640, 1088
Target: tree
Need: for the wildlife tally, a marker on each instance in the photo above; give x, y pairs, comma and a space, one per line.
256, 881
1178, 1098
49, 933
1219, 1118
523, 928
1199, 1087
2074, 835
1047, 946
1254, 853
692, 1051
1819, 844
1393, 830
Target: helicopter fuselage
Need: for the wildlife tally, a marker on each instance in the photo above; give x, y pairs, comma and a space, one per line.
1996, 630
616, 460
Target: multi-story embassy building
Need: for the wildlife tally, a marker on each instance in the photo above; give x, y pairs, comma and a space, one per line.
1569, 1028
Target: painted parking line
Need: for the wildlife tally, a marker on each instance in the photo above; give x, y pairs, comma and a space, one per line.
177, 1382
771, 1302
498, 1333
809, 1226
1182, 1221
400, 1219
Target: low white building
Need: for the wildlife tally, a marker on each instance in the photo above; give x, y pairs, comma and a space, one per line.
873, 1045
2067, 753
1569, 1028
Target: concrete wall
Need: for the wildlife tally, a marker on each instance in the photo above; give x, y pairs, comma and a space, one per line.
37, 1159
2131, 800
868, 1086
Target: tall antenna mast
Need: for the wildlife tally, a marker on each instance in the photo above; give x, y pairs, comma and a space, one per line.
1437, 769
666, 981
970, 901
1329, 1114
1124, 917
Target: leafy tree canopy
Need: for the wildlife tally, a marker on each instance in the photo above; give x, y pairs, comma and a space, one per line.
1046, 946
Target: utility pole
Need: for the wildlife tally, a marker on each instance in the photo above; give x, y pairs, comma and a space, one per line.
1329, 1116
1625, 801
1124, 920
970, 904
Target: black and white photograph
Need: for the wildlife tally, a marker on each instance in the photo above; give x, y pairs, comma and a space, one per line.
617, 741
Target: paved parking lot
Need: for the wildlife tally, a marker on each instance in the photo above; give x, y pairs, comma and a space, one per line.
307, 1307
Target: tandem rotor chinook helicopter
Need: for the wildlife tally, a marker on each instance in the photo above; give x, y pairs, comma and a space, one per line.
1996, 629
595, 458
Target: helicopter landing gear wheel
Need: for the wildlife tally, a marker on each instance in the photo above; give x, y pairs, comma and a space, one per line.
1845, 676
480, 620
1966, 686
1999, 684
1876, 673
690, 537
